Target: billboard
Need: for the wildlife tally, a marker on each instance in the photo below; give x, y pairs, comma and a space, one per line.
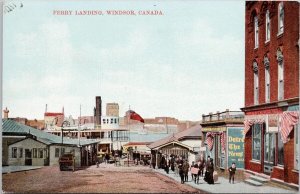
235, 143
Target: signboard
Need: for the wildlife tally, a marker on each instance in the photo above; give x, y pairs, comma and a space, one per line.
213, 129
235, 143
272, 123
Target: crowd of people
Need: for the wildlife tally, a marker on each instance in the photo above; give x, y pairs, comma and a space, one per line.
201, 168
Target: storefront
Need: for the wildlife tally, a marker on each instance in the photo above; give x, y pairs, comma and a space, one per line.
225, 145
223, 132
271, 138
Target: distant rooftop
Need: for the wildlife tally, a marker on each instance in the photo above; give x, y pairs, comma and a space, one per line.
11, 127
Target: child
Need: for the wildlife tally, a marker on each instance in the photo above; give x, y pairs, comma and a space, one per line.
232, 170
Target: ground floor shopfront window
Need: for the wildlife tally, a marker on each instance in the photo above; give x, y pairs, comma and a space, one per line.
256, 141
280, 156
296, 160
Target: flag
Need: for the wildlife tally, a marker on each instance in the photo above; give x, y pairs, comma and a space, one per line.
134, 116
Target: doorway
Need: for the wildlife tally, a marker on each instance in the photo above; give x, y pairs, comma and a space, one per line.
269, 152
28, 157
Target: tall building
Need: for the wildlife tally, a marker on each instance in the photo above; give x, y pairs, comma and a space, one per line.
272, 89
98, 111
112, 109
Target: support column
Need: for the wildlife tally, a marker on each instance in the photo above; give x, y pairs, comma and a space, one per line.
156, 160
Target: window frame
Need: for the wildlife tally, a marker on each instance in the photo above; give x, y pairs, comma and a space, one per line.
20, 154
256, 88
34, 153
57, 152
280, 18
41, 153
260, 129
14, 152
278, 141
256, 32
280, 80
267, 84
268, 26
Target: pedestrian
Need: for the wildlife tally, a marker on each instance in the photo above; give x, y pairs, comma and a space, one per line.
186, 168
106, 158
209, 172
195, 172
232, 170
181, 174
201, 164
192, 165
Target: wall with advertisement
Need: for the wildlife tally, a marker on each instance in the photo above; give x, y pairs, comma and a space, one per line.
235, 143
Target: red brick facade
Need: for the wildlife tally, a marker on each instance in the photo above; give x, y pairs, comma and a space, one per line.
288, 43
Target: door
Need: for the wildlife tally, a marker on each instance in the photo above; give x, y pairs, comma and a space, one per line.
28, 157
269, 152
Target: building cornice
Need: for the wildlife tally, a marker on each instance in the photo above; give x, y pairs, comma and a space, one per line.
276, 104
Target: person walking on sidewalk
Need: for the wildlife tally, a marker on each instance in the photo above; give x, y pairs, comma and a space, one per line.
186, 168
232, 170
201, 164
181, 174
192, 165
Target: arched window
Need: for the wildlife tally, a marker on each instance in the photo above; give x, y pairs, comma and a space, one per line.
256, 88
268, 26
255, 31
267, 78
280, 18
280, 75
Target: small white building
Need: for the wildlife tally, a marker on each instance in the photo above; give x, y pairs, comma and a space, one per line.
39, 148
186, 144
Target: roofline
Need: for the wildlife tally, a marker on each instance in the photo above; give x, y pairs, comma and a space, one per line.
174, 141
28, 138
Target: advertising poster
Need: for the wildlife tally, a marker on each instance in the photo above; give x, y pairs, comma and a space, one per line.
235, 146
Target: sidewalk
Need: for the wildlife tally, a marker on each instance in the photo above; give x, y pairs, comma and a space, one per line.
9, 169
223, 186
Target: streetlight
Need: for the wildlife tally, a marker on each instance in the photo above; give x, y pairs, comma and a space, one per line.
65, 123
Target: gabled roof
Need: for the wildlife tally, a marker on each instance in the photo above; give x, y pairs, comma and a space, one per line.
173, 142
191, 133
137, 143
14, 128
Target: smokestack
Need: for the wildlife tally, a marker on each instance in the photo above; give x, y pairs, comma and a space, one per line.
98, 110
6, 111
46, 108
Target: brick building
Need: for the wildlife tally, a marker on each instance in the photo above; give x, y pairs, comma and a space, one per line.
112, 109
272, 89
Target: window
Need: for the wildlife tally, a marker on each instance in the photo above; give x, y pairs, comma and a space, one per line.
267, 79
256, 141
268, 26
280, 75
115, 121
41, 153
20, 152
56, 152
280, 18
256, 89
14, 152
255, 32
62, 151
296, 129
34, 153
280, 150
111, 121
104, 121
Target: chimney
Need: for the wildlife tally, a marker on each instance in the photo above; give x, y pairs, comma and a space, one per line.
6, 111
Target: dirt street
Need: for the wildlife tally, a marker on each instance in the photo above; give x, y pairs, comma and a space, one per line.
105, 179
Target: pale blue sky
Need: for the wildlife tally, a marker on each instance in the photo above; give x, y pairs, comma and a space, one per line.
186, 63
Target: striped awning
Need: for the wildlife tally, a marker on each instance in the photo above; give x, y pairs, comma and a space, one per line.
210, 139
249, 122
287, 121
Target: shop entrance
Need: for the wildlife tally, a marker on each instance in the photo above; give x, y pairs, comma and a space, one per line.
269, 152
